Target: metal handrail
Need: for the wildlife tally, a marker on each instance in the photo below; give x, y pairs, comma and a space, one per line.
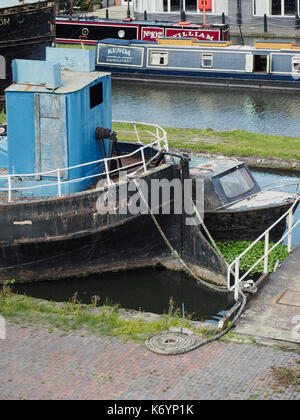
161, 141
234, 267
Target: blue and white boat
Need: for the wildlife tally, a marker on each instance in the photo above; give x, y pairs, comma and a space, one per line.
266, 64
60, 162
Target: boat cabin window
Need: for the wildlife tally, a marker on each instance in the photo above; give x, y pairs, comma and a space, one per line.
207, 60
237, 183
260, 63
159, 58
96, 95
296, 64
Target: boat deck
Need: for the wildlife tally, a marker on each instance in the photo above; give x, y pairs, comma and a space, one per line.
131, 163
274, 312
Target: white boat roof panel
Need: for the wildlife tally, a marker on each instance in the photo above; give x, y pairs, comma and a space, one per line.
12, 3
73, 81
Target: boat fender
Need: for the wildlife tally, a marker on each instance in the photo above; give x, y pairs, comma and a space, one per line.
184, 23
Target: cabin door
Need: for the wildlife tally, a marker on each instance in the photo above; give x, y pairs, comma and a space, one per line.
50, 134
249, 63
257, 63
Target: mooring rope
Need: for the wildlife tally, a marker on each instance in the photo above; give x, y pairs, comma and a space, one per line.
173, 251
187, 269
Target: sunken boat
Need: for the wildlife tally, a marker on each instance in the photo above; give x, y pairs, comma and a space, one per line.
267, 64
67, 202
26, 28
90, 29
236, 208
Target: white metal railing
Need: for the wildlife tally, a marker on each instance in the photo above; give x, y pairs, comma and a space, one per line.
160, 141
234, 267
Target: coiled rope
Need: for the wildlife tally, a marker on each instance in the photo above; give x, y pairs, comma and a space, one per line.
189, 344
176, 343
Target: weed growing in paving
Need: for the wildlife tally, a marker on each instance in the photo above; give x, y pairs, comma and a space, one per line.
75, 316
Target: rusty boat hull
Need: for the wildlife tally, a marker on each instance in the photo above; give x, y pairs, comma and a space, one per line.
246, 225
63, 237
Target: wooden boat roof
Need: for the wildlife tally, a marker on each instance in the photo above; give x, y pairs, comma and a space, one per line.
287, 46
192, 42
214, 167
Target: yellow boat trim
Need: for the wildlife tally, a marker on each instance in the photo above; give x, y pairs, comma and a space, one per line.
192, 42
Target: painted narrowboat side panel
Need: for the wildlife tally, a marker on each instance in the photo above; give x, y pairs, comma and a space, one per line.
199, 61
90, 30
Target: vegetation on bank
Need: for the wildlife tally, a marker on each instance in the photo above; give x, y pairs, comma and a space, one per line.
75, 316
232, 249
107, 319
234, 142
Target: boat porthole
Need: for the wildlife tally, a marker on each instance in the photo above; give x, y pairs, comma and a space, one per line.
85, 31
21, 19
121, 33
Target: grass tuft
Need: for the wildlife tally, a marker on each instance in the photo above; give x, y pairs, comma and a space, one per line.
75, 316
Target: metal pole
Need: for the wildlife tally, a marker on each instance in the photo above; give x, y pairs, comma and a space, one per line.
128, 9
297, 22
223, 18
182, 12
58, 182
239, 13
145, 15
265, 23
266, 259
9, 188
107, 172
290, 230
236, 280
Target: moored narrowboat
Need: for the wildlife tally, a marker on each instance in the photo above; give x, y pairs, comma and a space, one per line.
26, 29
266, 64
89, 30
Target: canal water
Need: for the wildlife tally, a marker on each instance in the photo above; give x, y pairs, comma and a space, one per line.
148, 290
219, 108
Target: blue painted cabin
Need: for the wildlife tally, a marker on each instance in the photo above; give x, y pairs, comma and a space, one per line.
265, 64
53, 109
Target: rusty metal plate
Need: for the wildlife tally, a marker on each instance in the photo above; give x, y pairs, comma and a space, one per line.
290, 297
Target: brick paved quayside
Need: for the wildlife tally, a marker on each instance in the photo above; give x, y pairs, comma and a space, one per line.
38, 364
274, 312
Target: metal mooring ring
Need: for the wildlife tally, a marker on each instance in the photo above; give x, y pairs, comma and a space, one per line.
170, 342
